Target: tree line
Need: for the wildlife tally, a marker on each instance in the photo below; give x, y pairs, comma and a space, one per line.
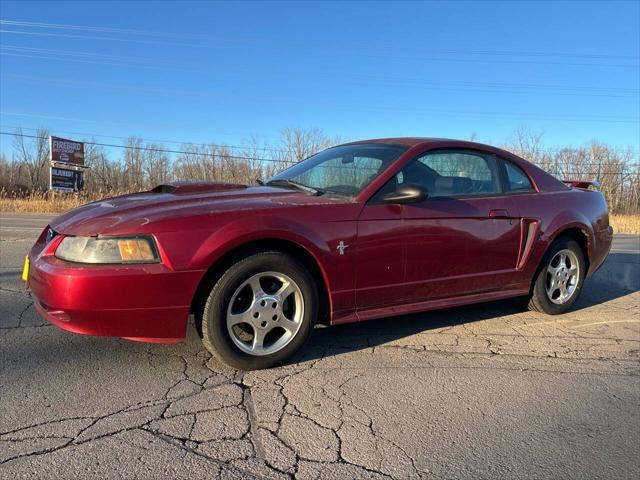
141, 165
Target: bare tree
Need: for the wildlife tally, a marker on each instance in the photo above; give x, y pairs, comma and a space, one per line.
256, 150
197, 162
298, 144
142, 166
612, 168
33, 154
155, 166
104, 174
527, 144
133, 163
12, 178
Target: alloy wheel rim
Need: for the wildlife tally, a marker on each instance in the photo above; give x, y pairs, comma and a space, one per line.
265, 313
563, 273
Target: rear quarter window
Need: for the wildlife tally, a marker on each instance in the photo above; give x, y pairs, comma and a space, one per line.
517, 180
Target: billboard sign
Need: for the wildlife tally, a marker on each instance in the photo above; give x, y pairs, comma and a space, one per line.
66, 180
66, 172
67, 151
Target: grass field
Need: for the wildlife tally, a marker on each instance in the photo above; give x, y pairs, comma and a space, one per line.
43, 203
40, 203
626, 223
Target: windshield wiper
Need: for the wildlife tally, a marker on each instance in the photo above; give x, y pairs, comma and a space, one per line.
285, 182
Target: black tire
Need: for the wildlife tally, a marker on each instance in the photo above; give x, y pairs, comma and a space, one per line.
215, 334
539, 300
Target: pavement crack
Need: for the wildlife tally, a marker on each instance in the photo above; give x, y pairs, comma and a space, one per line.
22, 314
186, 447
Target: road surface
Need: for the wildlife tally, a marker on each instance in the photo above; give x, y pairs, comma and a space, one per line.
487, 391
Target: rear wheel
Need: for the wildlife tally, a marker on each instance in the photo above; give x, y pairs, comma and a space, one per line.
260, 312
559, 281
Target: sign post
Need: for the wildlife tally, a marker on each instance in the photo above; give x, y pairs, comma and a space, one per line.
66, 172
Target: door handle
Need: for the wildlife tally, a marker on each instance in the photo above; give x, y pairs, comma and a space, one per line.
498, 213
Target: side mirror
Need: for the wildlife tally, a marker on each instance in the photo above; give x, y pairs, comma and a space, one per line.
406, 193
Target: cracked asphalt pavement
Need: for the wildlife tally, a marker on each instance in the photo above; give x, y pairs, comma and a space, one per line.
486, 391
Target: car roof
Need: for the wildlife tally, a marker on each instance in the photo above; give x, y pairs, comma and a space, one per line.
434, 142
425, 141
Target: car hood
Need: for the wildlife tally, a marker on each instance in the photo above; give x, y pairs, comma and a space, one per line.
168, 206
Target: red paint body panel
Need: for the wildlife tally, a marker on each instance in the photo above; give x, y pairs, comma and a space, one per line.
124, 301
400, 259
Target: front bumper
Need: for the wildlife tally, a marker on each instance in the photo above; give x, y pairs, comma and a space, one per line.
140, 302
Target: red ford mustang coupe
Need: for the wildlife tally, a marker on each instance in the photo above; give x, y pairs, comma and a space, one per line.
359, 231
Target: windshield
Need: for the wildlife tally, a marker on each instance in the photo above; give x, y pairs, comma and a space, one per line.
344, 170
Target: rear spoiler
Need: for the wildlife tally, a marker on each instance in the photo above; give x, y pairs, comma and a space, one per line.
584, 184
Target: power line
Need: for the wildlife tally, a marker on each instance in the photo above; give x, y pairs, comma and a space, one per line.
478, 60
519, 85
69, 119
436, 59
155, 140
84, 57
159, 150
93, 37
47, 51
112, 60
241, 157
122, 31
462, 86
499, 86
79, 60
125, 31
266, 149
384, 108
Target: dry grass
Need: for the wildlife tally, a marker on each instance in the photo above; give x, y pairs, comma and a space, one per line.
629, 223
42, 203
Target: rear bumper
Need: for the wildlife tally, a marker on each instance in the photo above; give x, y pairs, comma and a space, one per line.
601, 248
140, 302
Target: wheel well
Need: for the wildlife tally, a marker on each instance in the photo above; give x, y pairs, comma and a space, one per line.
580, 238
272, 244
574, 233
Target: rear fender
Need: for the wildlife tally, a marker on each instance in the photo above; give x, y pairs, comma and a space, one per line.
565, 220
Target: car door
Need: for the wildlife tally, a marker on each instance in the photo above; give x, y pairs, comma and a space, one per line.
381, 256
465, 237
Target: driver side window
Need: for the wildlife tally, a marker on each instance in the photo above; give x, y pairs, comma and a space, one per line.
449, 174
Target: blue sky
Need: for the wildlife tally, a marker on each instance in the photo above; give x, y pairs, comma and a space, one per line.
221, 72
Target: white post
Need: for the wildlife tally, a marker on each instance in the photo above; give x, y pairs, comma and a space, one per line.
50, 163
51, 166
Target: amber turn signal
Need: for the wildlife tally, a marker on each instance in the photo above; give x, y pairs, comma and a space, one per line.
135, 250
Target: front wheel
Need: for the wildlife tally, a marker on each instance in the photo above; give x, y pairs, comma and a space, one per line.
559, 281
260, 312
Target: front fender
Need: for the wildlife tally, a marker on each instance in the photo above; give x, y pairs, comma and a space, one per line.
239, 232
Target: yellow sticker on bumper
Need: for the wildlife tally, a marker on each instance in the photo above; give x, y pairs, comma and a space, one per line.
25, 270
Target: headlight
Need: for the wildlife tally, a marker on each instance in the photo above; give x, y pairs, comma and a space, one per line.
138, 249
